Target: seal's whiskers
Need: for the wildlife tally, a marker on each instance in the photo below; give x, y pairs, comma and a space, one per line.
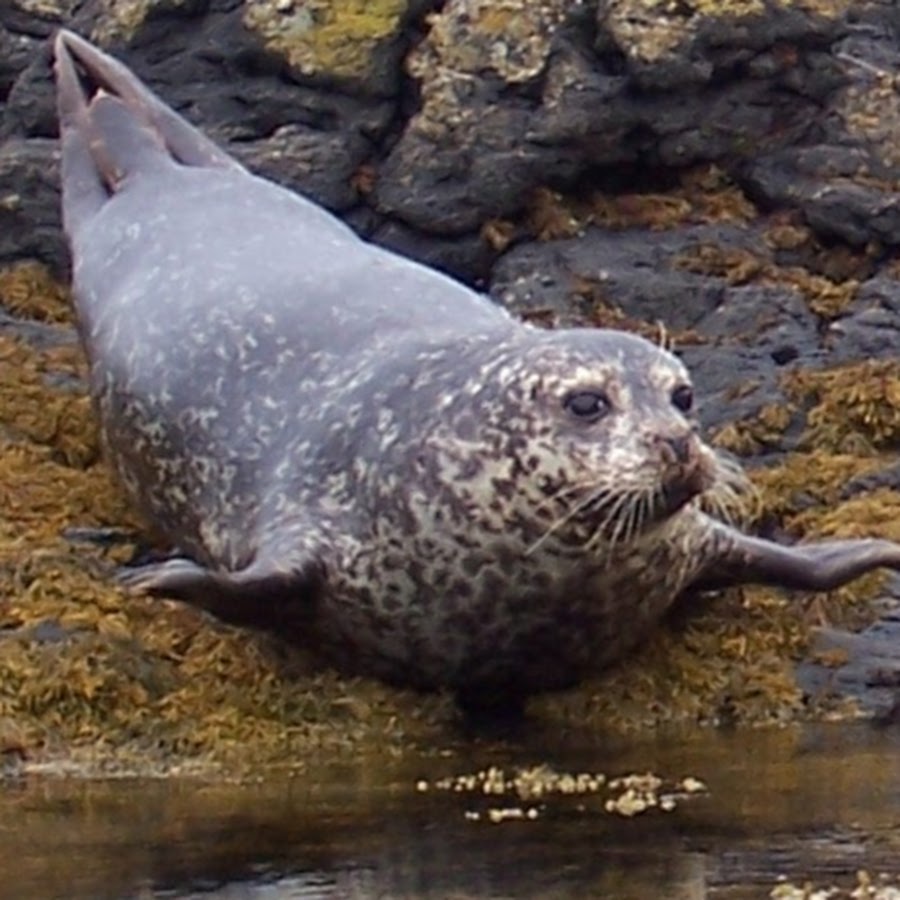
567, 490
636, 518
663, 339
624, 519
613, 515
733, 496
597, 494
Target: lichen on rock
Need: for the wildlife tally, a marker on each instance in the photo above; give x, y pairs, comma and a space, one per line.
46, 8
334, 39
468, 38
122, 19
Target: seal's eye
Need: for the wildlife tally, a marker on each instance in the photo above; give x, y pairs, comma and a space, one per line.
683, 398
587, 405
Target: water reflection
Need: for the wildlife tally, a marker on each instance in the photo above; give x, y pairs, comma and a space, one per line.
814, 804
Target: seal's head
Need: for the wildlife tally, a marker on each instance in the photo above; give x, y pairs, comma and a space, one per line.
618, 412
594, 439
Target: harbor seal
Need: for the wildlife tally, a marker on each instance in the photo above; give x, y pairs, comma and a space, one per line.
455, 499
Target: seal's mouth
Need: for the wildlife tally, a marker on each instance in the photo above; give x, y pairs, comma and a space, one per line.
687, 473
679, 489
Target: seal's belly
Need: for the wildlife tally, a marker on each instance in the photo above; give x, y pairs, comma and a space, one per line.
534, 623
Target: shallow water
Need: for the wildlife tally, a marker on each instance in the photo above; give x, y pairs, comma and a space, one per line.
817, 804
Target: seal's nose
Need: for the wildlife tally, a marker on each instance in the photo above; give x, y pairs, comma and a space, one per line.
676, 449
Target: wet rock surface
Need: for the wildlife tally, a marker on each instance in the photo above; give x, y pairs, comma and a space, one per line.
722, 175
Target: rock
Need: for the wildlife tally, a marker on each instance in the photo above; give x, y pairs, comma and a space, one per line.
358, 44
310, 130
30, 220
586, 86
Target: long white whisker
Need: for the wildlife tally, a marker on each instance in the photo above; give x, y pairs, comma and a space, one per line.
646, 509
610, 514
621, 526
565, 491
634, 518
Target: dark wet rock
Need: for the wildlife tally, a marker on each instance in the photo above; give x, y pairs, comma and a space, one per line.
595, 85
872, 329
49, 632
40, 335
888, 477
30, 108
635, 270
468, 257
16, 50
864, 666
101, 537
820, 181
856, 214
326, 168
30, 220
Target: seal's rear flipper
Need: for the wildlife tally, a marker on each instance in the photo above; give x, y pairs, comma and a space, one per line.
114, 128
186, 144
83, 190
822, 566
263, 594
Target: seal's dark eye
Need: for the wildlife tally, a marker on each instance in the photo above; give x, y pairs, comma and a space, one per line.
587, 405
683, 398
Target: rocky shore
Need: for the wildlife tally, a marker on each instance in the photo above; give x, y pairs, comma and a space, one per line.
725, 175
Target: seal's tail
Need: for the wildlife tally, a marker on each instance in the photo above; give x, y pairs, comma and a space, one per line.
115, 129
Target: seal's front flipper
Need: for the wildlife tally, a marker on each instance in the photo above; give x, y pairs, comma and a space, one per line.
266, 592
821, 566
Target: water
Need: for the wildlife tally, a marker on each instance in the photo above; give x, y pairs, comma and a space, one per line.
816, 804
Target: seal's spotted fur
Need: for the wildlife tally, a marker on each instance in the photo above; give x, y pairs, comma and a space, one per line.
459, 500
